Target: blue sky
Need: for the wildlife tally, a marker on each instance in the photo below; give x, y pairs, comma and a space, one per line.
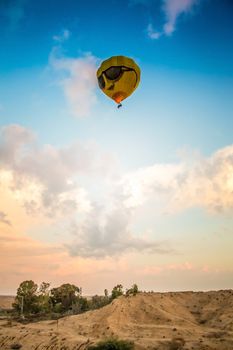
203, 40
155, 174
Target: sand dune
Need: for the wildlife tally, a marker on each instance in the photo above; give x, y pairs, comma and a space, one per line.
201, 320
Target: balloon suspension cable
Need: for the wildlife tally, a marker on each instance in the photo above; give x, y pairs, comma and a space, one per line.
119, 105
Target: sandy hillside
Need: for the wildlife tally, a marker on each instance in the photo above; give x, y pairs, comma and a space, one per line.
6, 301
201, 320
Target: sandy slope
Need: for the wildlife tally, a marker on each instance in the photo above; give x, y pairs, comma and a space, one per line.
203, 319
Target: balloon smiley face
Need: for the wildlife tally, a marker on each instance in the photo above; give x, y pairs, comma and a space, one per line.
118, 77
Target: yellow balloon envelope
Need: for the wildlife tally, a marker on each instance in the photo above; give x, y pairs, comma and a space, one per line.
118, 77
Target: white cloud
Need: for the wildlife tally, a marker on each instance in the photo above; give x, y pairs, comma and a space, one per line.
202, 182
172, 10
45, 176
79, 83
44, 180
152, 33
63, 36
160, 179
108, 234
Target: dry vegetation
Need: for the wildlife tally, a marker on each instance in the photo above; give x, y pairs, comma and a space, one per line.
162, 321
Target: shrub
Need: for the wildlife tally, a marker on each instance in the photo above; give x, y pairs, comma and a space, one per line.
113, 344
117, 291
177, 343
133, 290
16, 346
97, 301
80, 305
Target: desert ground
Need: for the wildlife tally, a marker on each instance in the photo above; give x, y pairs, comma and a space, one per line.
197, 320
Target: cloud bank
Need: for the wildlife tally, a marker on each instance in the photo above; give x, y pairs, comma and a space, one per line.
45, 177
46, 180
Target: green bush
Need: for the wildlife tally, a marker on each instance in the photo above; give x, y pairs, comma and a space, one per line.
113, 344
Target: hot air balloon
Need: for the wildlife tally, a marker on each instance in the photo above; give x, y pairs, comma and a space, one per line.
118, 77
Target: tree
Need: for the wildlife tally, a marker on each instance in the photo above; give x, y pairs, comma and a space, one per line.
26, 300
81, 305
44, 301
133, 290
117, 291
66, 295
44, 288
